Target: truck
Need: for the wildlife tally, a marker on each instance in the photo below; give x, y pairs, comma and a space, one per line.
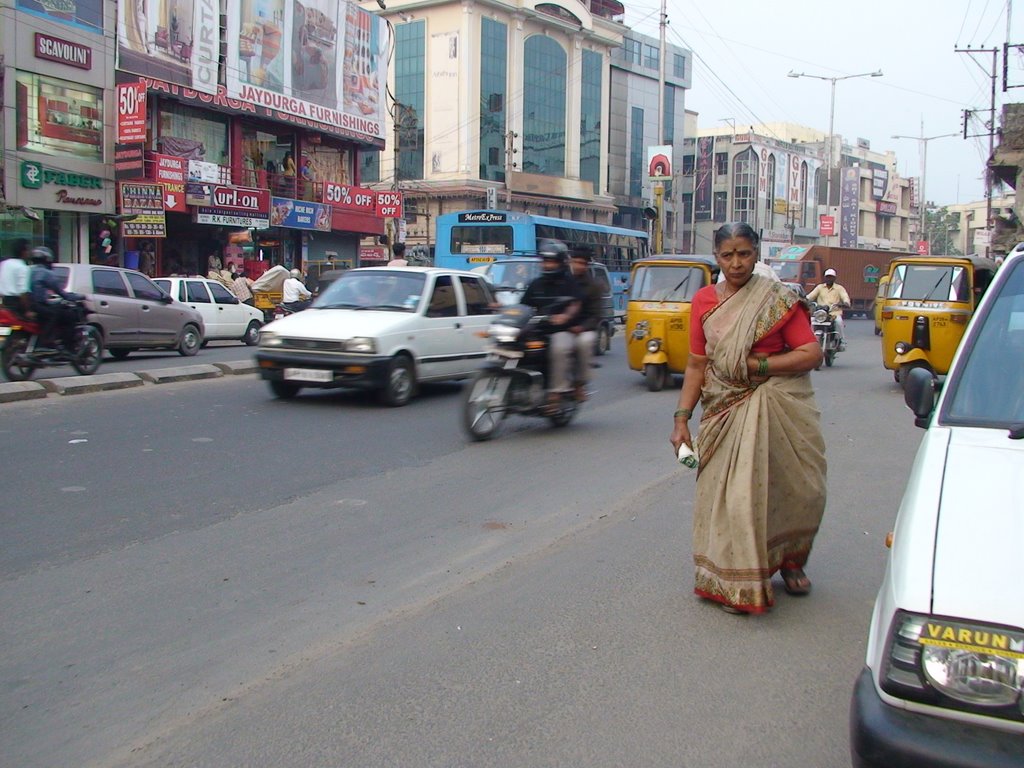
858, 270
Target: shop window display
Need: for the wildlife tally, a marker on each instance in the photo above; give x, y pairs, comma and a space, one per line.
57, 117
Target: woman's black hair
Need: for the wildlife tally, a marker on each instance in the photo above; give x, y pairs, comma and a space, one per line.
736, 229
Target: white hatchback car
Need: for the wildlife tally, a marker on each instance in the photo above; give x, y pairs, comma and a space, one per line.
943, 684
224, 316
381, 328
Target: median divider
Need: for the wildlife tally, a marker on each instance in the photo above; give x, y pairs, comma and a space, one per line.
100, 382
13, 391
184, 373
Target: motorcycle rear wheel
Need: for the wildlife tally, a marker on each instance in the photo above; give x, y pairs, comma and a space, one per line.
479, 417
88, 351
12, 358
564, 415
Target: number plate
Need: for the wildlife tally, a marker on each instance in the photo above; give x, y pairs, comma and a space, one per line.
307, 374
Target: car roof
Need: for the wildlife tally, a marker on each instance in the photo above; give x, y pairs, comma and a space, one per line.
416, 270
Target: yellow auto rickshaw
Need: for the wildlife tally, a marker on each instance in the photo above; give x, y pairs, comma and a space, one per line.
876, 307
927, 305
658, 313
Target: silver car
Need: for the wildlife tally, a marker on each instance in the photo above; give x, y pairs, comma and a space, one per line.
132, 312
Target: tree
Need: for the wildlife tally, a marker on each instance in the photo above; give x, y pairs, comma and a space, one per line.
943, 229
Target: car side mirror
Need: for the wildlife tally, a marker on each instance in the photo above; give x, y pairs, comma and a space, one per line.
165, 299
919, 395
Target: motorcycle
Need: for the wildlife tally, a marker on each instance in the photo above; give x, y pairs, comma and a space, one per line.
514, 377
825, 331
26, 348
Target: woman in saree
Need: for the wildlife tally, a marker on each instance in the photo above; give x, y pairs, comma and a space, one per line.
761, 474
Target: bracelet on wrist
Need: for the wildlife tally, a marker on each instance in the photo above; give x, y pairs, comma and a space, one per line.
762, 366
684, 412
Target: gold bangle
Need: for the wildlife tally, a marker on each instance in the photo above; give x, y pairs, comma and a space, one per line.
683, 412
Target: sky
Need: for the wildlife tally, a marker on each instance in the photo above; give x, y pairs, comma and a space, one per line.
743, 50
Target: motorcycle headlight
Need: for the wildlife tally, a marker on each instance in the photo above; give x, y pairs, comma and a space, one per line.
820, 316
270, 339
956, 664
902, 347
653, 345
503, 333
363, 344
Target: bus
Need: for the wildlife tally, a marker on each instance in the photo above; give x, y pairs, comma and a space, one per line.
475, 238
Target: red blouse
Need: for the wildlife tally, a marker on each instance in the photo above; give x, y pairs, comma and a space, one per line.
792, 331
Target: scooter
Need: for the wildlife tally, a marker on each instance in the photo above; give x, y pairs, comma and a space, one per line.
514, 377
825, 331
26, 345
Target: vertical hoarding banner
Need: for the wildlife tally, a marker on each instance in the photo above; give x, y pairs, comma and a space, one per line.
177, 41
702, 181
131, 113
319, 60
445, 119
849, 208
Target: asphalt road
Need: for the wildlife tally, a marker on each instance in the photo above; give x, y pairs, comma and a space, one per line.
198, 574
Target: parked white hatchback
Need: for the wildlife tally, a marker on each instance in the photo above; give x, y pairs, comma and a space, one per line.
943, 684
381, 328
224, 316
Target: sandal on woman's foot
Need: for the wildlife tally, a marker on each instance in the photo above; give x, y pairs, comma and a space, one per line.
795, 580
732, 609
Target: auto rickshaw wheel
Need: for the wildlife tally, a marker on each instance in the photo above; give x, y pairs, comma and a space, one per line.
655, 375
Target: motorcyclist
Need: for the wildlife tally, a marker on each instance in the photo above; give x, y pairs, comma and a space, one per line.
295, 296
44, 285
835, 297
584, 328
553, 285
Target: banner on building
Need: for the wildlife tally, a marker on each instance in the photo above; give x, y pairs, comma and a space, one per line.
659, 163
702, 182
319, 60
175, 40
146, 203
171, 171
83, 14
299, 214
446, 124
131, 113
849, 207
826, 225
129, 161
236, 207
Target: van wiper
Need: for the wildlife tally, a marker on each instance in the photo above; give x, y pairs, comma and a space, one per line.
685, 281
1017, 432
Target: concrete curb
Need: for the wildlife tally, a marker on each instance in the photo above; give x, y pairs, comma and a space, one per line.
238, 367
14, 391
184, 373
77, 385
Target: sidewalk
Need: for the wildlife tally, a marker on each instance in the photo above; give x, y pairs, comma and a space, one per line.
15, 391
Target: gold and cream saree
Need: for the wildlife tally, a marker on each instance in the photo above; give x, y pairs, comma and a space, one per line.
761, 481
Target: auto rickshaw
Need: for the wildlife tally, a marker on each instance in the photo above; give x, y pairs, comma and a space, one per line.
927, 305
658, 313
876, 308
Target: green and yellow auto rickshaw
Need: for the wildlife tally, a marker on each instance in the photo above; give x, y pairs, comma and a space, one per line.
658, 313
927, 305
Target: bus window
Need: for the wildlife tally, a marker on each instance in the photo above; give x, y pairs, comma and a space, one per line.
488, 239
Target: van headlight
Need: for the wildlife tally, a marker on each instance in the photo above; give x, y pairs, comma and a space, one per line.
361, 344
956, 664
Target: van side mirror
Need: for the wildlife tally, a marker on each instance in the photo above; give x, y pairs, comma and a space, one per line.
919, 395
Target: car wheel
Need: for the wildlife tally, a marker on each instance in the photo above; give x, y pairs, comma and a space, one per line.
120, 353
15, 369
604, 340
191, 341
401, 382
88, 351
284, 389
252, 334
655, 376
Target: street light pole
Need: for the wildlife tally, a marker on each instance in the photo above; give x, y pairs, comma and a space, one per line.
831, 124
923, 203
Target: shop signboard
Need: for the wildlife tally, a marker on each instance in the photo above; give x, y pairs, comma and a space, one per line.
389, 204
131, 113
372, 256
315, 60
299, 214
145, 202
129, 161
62, 51
826, 225
349, 198
236, 206
170, 171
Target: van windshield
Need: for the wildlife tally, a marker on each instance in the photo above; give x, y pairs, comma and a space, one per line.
666, 283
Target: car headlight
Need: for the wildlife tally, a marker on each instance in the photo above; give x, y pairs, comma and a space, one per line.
270, 339
955, 664
653, 345
363, 344
901, 347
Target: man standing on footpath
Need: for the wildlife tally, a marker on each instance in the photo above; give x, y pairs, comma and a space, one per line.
14, 278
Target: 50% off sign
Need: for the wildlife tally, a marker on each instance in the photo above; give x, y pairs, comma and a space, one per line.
389, 205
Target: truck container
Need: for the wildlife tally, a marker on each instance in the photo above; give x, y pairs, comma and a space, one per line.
858, 270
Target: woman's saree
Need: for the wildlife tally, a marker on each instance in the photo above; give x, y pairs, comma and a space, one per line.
761, 480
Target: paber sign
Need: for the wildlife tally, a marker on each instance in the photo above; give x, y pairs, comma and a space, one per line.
350, 198
242, 199
389, 205
171, 171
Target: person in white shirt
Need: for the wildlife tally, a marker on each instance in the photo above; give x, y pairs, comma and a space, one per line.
398, 256
14, 277
833, 295
295, 296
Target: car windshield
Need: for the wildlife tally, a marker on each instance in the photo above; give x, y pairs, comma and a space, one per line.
986, 390
929, 282
666, 283
389, 290
513, 274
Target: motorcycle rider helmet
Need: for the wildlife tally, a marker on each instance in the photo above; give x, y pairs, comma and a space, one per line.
552, 251
42, 255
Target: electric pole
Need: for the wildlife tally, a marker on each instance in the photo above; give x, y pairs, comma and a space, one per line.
991, 134
510, 165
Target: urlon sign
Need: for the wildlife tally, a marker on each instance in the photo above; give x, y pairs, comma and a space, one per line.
240, 199
62, 51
